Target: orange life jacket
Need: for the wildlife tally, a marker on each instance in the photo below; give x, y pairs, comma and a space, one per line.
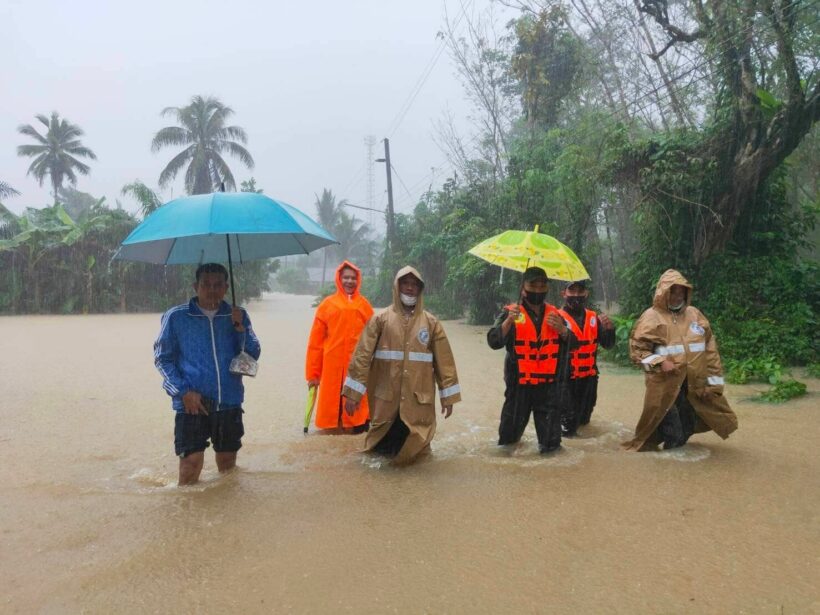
537, 355
582, 358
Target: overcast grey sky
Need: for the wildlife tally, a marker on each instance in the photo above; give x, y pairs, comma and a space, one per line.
307, 81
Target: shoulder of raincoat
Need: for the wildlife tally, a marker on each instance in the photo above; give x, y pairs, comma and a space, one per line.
398, 361
686, 339
338, 322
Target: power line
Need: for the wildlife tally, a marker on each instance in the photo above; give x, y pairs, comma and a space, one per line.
425, 74
392, 166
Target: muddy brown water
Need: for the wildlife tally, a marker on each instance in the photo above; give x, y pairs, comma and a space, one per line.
91, 519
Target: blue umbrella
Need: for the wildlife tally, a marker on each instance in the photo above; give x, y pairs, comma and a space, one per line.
220, 227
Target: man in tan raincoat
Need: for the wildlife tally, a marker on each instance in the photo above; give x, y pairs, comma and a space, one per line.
401, 355
673, 342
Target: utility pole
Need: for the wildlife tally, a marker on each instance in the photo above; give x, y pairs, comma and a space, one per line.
370, 143
391, 221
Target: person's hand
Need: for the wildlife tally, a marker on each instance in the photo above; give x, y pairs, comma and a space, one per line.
605, 321
447, 410
351, 406
708, 394
513, 312
668, 366
236, 317
557, 323
313, 382
193, 403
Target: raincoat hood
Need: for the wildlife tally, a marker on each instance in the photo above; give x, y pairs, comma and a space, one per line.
397, 304
668, 279
339, 287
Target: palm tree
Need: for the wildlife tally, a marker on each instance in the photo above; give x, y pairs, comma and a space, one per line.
203, 133
353, 239
7, 191
148, 199
54, 154
329, 214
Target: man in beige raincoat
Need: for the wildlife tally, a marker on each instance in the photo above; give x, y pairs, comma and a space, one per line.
401, 355
673, 342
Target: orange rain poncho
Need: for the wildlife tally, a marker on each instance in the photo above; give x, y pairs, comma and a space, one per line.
336, 327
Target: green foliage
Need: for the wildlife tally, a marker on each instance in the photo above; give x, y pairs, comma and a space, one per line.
370, 289
7, 191
249, 185
147, 198
738, 294
546, 63
766, 369
784, 391
813, 370
619, 353
442, 307
293, 280
52, 263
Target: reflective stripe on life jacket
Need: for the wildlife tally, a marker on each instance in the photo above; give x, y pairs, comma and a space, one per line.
536, 355
582, 359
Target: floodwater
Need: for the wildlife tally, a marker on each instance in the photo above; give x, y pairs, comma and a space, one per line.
91, 519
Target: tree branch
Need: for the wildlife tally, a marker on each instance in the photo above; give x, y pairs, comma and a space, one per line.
657, 10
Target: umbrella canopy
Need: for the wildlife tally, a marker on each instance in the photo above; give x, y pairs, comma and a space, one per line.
518, 250
222, 227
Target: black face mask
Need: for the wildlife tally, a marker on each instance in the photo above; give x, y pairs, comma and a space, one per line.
575, 304
535, 298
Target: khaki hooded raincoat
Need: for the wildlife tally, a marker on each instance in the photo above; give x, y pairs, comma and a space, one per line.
686, 339
398, 361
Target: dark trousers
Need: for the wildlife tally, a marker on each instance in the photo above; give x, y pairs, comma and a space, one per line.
542, 401
581, 398
679, 423
393, 440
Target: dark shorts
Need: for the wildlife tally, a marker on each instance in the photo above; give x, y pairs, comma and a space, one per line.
224, 428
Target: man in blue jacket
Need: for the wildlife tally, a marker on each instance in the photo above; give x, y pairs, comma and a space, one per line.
193, 352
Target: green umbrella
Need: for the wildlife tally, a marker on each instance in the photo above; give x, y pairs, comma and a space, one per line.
518, 250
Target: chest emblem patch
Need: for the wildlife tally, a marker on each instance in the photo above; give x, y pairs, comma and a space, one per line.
592, 321
696, 329
424, 335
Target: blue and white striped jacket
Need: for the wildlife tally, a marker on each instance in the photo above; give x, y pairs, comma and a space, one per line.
193, 353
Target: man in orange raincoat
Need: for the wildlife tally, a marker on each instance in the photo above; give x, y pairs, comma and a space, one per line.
337, 325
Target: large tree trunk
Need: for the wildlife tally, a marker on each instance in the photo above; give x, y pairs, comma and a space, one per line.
757, 140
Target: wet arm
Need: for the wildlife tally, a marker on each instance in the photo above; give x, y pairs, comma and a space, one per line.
315, 349
642, 343
606, 337
444, 366
355, 385
714, 366
252, 345
497, 337
166, 350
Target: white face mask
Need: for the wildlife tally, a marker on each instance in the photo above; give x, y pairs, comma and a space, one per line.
408, 300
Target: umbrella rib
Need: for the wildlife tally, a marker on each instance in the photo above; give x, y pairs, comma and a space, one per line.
300, 243
173, 245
